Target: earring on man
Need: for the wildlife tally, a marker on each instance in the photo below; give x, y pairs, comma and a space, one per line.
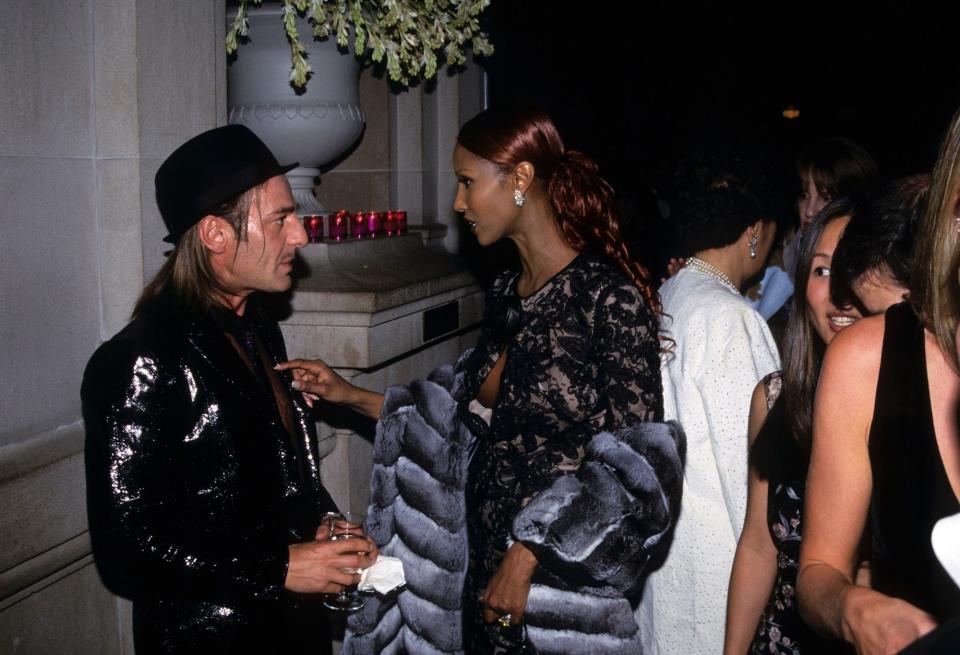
752, 245
518, 198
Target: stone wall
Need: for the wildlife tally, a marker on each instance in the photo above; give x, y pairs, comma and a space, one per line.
404, 158
96, 93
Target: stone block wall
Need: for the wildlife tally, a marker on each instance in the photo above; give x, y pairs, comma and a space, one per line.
360, 180
96, 93
404, 159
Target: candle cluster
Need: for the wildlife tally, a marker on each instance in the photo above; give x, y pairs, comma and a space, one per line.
359, 225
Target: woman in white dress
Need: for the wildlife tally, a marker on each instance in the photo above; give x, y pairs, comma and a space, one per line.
722, 348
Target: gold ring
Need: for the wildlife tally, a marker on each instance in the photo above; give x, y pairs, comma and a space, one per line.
504, 620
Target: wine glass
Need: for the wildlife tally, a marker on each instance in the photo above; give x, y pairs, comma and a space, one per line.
345, 525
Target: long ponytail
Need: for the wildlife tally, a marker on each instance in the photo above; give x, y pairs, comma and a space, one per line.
586, 209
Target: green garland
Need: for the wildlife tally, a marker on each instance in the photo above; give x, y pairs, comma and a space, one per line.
410, 34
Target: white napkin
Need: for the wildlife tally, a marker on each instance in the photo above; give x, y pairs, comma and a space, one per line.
946, 544
384, 576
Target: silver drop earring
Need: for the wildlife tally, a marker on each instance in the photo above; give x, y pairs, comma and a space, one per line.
518, 198
752, 245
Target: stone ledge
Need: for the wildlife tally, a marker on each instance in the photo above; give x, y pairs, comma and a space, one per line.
366, 302
44, 569
39, 450
357, 318
372, 275
371, 340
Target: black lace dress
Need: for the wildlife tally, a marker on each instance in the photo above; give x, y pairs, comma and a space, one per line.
582, 357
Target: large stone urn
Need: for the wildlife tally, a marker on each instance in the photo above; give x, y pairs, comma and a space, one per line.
312, 126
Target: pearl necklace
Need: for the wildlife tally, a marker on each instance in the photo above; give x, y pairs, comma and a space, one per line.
698, 264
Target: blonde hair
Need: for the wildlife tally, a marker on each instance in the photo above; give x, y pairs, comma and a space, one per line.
935, 286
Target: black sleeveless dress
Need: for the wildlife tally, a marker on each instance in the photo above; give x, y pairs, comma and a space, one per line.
911, 491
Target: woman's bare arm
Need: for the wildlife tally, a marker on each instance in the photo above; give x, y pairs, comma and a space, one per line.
755, 564
837, 501
312, 376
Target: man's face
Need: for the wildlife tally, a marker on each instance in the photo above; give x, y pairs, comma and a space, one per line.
264, 260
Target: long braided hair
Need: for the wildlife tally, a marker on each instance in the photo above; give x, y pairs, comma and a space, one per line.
583, 203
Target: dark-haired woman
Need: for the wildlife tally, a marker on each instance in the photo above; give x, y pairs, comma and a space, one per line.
722, 349
764, 576
586, 357
828, 169
568, 348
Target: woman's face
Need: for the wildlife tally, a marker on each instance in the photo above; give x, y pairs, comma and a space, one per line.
484, 197
810, 201
823, 315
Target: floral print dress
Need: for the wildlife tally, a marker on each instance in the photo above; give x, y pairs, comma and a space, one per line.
582, 356
780, 460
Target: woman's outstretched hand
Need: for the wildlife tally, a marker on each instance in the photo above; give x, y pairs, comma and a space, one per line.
316, 380
508, 589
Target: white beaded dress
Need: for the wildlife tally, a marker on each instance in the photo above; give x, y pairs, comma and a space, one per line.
722, 349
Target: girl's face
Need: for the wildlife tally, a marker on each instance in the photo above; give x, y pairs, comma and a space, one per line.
810, 201
823, 315
484, 197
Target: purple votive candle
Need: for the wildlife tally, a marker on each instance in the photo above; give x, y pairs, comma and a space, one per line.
338, 225
374, 223
313, 224
358, 225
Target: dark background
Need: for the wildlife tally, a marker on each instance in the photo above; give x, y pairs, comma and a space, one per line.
637, 84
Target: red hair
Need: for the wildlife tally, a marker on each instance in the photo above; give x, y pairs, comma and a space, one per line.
583, 202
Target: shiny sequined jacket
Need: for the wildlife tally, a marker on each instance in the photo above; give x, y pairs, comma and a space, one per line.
194, 487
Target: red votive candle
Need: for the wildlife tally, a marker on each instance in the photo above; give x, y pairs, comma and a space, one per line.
313, 224
358, 225
401, 221
338, 225
374, 223
390, 223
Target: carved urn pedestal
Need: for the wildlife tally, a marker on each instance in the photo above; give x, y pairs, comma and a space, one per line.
314, 125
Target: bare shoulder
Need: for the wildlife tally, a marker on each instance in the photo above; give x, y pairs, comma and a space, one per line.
856, 351
844, 404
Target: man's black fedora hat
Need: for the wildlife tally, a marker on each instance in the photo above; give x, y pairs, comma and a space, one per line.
208, 170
